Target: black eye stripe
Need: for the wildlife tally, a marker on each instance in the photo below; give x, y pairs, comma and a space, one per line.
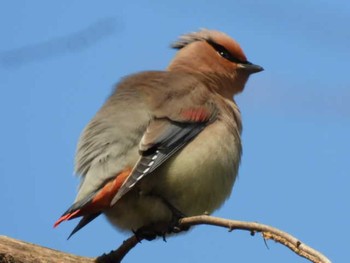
222, 51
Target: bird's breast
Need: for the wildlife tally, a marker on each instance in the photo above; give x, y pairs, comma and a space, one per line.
200, 177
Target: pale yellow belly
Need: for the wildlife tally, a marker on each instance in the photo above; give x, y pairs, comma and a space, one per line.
196, 180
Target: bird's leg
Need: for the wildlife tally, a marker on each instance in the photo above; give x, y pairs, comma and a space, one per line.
150, 232
174, 226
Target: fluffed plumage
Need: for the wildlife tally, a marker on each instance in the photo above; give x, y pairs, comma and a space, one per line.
165, 140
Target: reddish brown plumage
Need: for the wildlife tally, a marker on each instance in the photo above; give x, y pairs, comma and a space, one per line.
197, 54
104, 197
100, 201
230, 44
196, 115
67, 217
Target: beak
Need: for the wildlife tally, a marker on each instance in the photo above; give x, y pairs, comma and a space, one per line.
250, 67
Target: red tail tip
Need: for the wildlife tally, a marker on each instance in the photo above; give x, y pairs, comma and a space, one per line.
66, 217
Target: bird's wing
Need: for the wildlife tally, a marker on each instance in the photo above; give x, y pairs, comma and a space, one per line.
172, 111
181, 109
162, 139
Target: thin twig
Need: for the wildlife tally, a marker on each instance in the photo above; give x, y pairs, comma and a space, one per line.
267, 232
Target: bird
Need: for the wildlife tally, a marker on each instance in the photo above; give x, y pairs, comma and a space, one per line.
166, 144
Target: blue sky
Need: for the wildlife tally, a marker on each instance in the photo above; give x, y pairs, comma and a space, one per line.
60, 60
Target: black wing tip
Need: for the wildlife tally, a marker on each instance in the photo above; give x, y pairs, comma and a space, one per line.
83, 222
78, 205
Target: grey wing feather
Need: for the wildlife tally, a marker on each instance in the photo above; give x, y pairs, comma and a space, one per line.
176, 136
83, 222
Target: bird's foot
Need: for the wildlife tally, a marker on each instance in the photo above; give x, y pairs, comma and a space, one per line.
145, 232
174, 225
160, 229
152, 231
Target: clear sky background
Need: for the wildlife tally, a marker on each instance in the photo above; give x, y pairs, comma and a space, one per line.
59, 61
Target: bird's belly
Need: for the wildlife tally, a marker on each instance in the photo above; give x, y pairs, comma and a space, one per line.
200, 177
195, 181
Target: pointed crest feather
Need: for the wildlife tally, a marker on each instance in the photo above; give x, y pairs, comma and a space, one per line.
184, 40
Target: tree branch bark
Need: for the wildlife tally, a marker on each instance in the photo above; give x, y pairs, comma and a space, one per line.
15, 251
268, 232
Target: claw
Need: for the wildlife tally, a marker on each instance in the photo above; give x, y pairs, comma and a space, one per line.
145, 233
161, 229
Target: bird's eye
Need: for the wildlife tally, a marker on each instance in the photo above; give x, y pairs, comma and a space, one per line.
223, 52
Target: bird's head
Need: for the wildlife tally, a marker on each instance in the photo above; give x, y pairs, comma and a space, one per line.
213, 54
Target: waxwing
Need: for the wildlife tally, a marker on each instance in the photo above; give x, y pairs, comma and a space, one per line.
166, 144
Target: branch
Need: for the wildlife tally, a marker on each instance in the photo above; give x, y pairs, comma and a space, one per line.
117, 255
15, 251
268, 232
